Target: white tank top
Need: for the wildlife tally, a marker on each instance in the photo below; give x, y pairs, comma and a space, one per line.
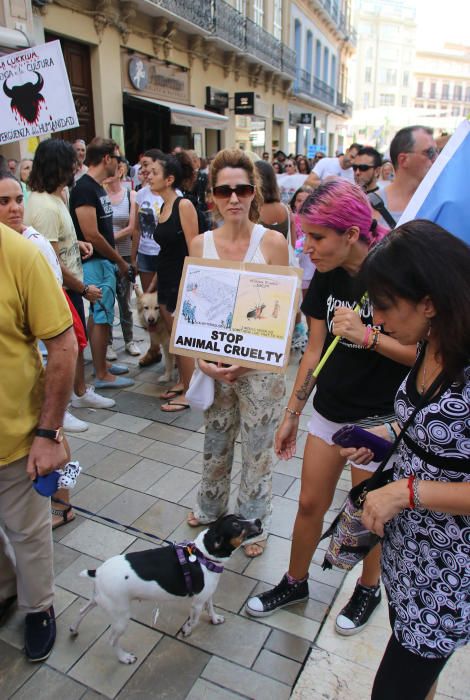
253, 254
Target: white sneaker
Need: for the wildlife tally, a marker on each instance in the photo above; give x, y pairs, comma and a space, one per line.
132, 348
111, 353
74, 425
90, 399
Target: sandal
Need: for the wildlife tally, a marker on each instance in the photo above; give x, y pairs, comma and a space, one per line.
253, 553
171, 394
62, 513
178, 407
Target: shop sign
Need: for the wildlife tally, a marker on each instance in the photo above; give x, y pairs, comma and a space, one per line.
305, 118
35, 95
153, 78
244, 103
217, 99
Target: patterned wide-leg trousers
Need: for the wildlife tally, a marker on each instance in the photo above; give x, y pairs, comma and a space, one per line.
252, 405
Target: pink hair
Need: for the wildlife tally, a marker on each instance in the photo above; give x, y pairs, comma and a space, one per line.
338, 204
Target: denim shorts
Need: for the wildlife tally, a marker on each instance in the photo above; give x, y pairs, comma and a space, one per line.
147, 263
102, 273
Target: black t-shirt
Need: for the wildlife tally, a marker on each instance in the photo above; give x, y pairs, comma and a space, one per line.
170, 237
354, 383
89, 193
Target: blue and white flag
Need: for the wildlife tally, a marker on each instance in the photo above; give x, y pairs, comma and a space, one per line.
444, 195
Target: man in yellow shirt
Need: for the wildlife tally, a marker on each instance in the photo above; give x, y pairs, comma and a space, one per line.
32, 406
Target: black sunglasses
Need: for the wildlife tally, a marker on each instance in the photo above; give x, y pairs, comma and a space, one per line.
362, 168
225, 191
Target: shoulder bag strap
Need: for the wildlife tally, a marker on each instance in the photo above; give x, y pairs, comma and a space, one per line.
437, 384
378, 204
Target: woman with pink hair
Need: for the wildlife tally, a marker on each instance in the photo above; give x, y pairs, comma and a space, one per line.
357, 385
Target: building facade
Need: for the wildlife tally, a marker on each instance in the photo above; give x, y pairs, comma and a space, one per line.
324, 40
383, 85
442, 86
172, 73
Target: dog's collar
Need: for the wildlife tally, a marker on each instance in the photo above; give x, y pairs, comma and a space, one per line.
194, 554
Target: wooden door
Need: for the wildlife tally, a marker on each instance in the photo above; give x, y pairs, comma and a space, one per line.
77, 62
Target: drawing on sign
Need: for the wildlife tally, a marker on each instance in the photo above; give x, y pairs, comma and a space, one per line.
262, 306
26, 99
209, 295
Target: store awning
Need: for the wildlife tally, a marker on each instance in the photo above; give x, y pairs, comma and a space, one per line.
185, 115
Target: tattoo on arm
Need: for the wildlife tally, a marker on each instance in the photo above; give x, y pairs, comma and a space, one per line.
307, 387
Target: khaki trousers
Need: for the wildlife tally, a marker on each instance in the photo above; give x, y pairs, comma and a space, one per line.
25, 517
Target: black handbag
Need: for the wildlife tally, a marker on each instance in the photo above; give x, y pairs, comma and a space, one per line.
350, 541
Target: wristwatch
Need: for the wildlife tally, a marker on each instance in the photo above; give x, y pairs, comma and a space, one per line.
56, 435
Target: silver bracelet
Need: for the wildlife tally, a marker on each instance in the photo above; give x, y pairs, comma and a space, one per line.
416, 498
391, 433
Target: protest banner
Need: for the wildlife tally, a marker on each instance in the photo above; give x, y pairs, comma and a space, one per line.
236, 313
35, 95
442, 196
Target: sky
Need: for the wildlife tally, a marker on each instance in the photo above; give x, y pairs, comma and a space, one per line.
440, 21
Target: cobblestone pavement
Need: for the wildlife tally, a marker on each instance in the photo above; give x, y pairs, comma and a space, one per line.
142, 467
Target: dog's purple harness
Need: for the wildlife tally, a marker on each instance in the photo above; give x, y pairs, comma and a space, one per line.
198, 556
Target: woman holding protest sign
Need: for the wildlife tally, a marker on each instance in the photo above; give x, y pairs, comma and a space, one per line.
245, 400
356, 385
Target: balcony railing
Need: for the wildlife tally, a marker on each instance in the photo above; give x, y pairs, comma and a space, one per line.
346, 106
262, 44
288, 60
198, 12
321, 91
228, 24
305, 81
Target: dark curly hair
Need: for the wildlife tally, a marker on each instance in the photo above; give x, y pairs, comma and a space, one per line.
180, 166
53, 166
420, 259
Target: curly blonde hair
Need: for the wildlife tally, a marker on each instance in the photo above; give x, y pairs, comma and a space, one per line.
236, 158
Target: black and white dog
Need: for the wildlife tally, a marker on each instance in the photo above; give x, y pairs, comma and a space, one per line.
167, 573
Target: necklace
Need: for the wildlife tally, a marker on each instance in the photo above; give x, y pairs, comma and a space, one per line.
433, 375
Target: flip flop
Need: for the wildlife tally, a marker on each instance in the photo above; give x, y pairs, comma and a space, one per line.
116, 369
171, 394
62, 513
181, 407
255, 553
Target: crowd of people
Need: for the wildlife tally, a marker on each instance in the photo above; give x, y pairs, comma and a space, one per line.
78, 224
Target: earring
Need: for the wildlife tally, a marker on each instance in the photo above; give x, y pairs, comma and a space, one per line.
429, 329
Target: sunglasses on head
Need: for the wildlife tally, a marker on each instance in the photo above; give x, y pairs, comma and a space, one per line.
362, 168
225, 191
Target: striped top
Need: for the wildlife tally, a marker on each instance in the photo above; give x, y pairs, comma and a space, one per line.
121, 212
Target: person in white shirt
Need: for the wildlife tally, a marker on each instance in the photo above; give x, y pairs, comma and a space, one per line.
334, 167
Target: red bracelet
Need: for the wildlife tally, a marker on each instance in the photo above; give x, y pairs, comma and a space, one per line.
411, 480
365, 342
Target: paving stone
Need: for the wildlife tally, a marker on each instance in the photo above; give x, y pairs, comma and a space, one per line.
203, 690
175, 484
114, 465
277, 667
272, 566
97, 495
60, 532
168, 454
293, 467
288, 645
171, 614
166, 433
191, 420
169, 671
285, 511
63, 557
93, 415
135, 404
128, 506
71, 580
68, 649
130, 442
96, 433
143, 475
238, 639
161, 519
289, 621
82, 482
47, 684
100, 669
232, 591
281, 483
248, 683
91, 454
195, 441
97, 540
75, 443
14, 669
127, 422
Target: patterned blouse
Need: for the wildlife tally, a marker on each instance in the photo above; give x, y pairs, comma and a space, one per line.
426, 555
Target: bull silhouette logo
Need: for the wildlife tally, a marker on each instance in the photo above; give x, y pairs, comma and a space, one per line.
26, 99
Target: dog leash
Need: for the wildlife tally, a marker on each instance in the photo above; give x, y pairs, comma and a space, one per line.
112, 521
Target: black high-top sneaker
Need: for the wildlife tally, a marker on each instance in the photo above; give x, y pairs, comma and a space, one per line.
356, 613
283, 594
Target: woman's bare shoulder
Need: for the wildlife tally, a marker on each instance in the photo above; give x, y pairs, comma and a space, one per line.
197, 246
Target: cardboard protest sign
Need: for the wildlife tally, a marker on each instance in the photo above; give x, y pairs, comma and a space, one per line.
35, 95
236, 313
